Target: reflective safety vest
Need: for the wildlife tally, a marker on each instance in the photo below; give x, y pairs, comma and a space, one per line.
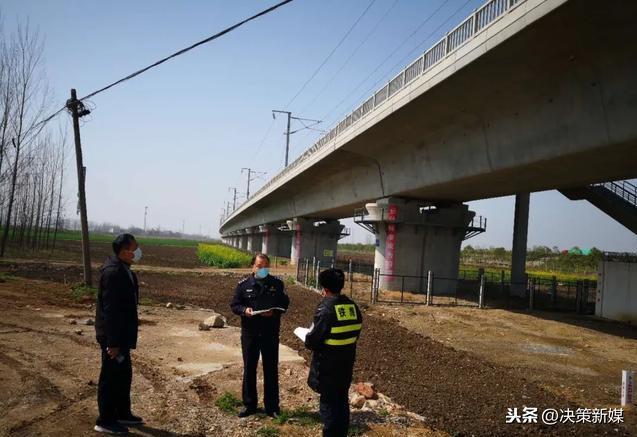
347, 325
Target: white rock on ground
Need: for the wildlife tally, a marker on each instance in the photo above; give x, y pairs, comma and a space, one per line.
214, 321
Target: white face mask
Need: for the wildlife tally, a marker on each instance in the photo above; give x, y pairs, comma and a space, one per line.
137, 255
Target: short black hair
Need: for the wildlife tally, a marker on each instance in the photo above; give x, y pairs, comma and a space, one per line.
332, 279
259, 255
122, 241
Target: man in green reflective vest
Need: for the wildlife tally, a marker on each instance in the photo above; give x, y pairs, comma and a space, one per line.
332, 339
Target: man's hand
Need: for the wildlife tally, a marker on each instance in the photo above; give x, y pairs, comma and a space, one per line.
268, 314
248, 312
112, 352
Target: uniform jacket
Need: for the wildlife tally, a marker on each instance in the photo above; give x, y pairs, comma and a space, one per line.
263, 294
116, 310
332, 339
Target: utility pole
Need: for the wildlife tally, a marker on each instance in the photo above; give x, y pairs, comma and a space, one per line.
145, 214
250, 178
288, 132
234, 197
183, 227
78, 110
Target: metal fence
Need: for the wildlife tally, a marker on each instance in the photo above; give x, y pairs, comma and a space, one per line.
472, 287
476, 23
487, 289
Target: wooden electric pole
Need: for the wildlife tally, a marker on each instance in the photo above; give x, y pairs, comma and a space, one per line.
78, 110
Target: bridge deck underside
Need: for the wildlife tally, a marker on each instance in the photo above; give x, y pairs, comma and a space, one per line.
553, 106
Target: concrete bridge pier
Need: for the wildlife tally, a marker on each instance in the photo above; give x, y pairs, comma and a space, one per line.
275, 242
518, 251
413, 238
242, 240
254, 239
229, 240
314, 239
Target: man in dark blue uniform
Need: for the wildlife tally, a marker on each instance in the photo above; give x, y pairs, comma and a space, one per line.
332, 339
260, 333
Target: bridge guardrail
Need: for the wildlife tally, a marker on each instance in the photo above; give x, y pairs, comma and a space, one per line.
481, 19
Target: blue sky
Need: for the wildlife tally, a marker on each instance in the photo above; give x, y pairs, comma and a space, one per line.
175, 138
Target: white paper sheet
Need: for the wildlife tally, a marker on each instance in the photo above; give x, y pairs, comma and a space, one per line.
257, 312
301, 333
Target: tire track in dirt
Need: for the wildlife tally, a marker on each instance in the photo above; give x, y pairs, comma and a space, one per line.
45, 387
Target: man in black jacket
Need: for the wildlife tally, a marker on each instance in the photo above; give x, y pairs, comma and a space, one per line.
116, 331
332, 339
260, 333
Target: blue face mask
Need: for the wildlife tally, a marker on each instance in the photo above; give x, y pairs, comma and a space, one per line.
262, 273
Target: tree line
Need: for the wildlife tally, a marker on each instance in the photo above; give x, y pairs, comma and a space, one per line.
32, 154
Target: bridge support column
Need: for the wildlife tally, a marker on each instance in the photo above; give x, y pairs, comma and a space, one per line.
275, 242
243, 240
412, 240
518, 252
312, 239
254, 240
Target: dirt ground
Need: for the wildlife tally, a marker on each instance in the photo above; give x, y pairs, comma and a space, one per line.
459, 368
49, 369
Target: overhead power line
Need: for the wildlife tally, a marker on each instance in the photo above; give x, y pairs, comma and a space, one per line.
174, 55
349, 58
422, 23
360, 17
406, 57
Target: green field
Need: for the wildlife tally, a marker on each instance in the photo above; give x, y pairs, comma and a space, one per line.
144, 241
493, 272
220, 255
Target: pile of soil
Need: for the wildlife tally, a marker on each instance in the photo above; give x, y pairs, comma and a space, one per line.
455, 391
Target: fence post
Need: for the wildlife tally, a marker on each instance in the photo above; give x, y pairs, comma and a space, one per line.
298, 271
584, 300
307, 268
481, 296
531, 294
430, 285
349, 270
501, 282
318, 270
374, 290
578, 296
553, 290
371, 290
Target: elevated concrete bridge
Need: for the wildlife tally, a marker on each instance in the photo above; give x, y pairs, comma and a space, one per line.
523, 96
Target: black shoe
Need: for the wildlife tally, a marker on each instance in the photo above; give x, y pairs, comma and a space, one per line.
274, 414
131, 419
245, 412
113, 428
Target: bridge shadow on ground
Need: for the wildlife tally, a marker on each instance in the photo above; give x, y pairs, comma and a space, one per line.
610, 327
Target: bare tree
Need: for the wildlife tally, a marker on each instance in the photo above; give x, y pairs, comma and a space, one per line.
28, 100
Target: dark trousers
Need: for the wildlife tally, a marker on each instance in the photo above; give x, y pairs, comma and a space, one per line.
268, 347
113, 390
334, 409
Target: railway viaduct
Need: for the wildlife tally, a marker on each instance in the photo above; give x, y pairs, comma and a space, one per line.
522, 96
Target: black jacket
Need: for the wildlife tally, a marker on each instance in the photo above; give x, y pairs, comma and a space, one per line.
264, 294
332, 339
116, 310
